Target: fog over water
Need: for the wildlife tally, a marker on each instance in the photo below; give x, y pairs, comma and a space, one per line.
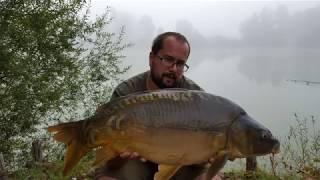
247, 51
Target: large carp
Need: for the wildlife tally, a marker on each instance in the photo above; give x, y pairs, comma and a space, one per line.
172, 128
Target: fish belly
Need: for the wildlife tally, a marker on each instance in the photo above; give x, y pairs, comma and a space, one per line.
168, 146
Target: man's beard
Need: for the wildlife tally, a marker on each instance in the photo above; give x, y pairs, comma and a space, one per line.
159, 81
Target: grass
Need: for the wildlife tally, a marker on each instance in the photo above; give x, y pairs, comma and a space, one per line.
53, 171
299, 159
259, 174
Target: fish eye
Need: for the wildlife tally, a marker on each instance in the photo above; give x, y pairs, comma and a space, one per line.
243, 113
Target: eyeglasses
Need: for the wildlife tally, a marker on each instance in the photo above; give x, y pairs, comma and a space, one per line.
171, 61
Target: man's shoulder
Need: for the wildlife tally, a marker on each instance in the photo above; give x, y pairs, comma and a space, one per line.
133, 84
190, 84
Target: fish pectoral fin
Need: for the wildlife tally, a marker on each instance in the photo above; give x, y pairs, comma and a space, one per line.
104, 154
217, 164
165, 172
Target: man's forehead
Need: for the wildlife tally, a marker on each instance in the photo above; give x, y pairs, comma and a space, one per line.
174, 40
173, 44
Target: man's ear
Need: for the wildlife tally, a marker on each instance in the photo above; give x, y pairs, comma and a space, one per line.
151, 55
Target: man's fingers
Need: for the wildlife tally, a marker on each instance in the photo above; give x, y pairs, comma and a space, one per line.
143, 159
125, 154
129, 155
134, 155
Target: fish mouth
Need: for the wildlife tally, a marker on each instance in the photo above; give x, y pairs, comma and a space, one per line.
266, 146
276, 148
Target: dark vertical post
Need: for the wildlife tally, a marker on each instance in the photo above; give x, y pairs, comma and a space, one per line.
251, 164
37, 151
3, 172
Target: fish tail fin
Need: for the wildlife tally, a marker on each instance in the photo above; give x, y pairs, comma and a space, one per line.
69, 133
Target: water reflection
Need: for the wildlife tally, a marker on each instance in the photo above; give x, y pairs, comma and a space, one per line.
278, 65
257, 80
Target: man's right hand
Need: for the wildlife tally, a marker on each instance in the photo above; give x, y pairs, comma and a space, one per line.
132, 155
124, 155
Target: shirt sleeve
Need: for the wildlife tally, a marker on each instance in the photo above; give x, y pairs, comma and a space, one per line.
191, 85
122, 89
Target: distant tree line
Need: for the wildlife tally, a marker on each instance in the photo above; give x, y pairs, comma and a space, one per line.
277, 28
267, 28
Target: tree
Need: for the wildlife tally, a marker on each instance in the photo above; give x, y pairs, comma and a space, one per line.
266, 29
53, 62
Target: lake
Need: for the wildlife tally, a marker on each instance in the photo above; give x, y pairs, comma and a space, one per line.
256, 79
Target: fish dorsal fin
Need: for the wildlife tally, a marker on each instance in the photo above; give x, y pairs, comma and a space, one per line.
148, 96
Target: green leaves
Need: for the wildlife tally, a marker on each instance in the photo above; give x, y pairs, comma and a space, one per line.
54, 64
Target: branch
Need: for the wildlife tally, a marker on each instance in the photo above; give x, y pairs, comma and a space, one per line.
304, 81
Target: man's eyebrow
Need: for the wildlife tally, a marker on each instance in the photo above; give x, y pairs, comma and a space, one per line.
168, 56
171, 57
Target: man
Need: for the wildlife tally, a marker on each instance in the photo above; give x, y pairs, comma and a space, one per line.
168, 62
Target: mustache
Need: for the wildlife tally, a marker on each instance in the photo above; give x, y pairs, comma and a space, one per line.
170, 75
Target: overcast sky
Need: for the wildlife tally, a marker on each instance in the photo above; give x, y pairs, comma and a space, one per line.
210, 17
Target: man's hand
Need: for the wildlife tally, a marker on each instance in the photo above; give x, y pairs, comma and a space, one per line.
124, 155
132, 155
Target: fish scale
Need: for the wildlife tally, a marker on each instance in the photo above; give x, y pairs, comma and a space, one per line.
192, 114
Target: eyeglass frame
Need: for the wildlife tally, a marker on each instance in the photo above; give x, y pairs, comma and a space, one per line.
173, 61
